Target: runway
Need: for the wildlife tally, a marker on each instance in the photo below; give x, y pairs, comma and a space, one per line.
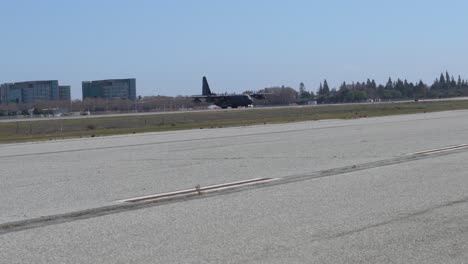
387, 190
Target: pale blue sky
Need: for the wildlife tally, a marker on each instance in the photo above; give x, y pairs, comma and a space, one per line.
169, 45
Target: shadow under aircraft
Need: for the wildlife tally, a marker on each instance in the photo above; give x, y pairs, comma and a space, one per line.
226, 100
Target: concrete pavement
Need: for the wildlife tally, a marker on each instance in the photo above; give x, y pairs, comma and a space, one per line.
413, 211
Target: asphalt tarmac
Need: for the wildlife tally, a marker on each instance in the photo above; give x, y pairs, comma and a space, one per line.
374, 190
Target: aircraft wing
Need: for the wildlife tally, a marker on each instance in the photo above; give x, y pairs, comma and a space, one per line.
198, 99
208, 98
259, 96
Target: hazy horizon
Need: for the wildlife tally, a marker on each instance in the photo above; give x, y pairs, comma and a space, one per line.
242, 45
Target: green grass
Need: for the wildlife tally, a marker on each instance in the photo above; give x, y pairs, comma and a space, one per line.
103, 126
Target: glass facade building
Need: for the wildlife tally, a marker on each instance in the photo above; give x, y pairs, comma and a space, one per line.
65, 93
33, 91
110, 89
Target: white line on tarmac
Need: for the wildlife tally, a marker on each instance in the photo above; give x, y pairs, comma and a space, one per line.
444, 149
198, 189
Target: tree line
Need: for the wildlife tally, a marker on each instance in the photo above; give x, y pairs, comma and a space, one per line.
443, 87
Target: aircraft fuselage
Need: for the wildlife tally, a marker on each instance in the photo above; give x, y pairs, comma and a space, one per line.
224, 100
232, 101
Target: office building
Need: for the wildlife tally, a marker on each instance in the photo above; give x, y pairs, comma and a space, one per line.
64, 93
110, 89
33, 91
3, 93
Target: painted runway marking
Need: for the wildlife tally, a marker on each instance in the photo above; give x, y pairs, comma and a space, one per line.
228, 188
438, 150
199, 190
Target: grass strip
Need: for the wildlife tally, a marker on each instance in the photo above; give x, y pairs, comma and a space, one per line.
35, 130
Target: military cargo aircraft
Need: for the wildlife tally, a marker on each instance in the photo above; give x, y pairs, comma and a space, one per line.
225, 101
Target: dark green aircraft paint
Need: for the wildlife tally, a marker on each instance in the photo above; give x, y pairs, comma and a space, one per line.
225, 101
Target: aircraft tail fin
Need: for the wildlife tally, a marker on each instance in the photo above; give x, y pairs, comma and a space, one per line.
206, 88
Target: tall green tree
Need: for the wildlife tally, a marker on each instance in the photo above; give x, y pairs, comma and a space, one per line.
389, 85
453, 83
326, 89
320, 90
302, 88
442, 81
320, 96
303, 93
399, 87
447, 78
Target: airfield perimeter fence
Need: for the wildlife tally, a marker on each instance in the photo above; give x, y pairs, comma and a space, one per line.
90, 126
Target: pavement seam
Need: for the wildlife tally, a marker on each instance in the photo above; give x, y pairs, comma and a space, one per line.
38, 222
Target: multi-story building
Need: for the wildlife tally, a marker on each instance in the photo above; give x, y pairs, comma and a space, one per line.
65, 93
3, 93
33, 91
109, 89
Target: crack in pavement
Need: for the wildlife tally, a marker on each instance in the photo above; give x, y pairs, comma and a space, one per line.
394, 220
